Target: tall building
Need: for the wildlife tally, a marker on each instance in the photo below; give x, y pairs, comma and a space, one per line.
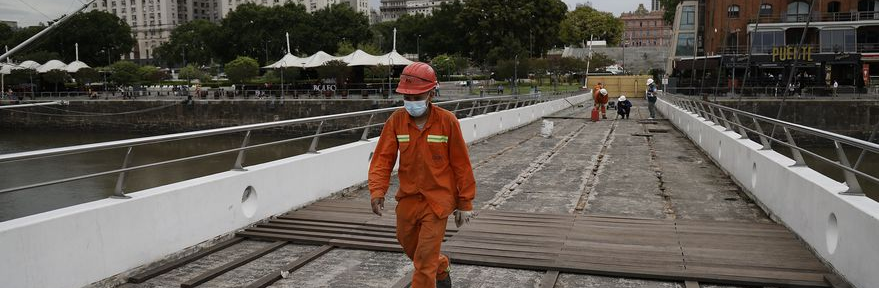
737, 39
655, 5
361, 6
152, 21
393, 9
11, 24
644, 28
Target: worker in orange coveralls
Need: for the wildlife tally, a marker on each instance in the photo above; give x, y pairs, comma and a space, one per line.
436, 179
600, 99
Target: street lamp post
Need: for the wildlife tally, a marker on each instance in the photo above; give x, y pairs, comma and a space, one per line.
515, 88
418, 47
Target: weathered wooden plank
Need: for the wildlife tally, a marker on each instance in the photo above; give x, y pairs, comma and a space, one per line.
290, 267
549, 279
149, 274
213, 273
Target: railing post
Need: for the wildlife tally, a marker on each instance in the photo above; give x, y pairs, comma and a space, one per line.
120, 181
854, 188
798, 157
239, 161
366, 129
765, 142
457, 105
725, 121
472, 108
498, 107
313, 147
487, 107
742, 131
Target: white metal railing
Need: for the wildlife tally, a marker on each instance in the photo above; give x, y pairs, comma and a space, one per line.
750, 124
471, 107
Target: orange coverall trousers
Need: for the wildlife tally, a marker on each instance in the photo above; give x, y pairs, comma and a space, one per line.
421, 232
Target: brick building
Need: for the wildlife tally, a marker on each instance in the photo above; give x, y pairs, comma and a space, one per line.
729, 38
644, 28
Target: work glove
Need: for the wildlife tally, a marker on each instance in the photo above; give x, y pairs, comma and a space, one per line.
378, 204
462, 217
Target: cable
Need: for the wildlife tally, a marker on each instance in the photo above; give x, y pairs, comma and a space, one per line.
35, 9
96, 114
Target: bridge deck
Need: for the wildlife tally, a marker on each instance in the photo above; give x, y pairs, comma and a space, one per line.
588, 176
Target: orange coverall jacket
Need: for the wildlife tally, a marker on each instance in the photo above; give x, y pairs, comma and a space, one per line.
433, 162
599, 99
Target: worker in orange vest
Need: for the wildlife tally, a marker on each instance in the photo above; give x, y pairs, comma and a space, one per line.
436, 179
600, 99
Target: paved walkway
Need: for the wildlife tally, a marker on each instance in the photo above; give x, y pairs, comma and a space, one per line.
604, 168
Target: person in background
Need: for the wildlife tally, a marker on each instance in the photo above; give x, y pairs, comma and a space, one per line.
835, 87
651, 98
624, 107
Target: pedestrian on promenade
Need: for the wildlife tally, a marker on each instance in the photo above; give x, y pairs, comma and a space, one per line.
436, 179
600, 100
651, 98
624, 107
835, 87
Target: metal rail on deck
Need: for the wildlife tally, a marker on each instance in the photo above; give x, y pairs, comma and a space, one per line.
471, 107
752, 125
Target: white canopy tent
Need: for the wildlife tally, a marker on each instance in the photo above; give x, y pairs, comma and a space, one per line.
75, 66
51, 65
6, 69
318, 59
287, 61
393, 59
27, 65
360, 58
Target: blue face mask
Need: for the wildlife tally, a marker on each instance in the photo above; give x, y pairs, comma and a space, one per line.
415, 108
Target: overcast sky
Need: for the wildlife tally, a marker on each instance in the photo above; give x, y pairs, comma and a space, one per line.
19, 10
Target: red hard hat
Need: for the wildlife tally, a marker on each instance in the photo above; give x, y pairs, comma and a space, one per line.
417, 78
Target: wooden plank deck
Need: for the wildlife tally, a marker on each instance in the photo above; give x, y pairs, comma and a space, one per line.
677, 250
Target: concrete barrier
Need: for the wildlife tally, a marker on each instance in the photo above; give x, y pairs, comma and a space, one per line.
842, 230
82, 244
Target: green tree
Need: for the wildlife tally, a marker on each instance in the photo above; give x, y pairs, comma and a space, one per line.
124, 73
335, 69
56, 77
242, 69
259, 31
443, 33
6, 34
152, 74
195, 40
345, 48
540, 66
507, 69
87, 75
191, 72
95, 31
503, 29
599, 61
585, 21
670, 7
340, 21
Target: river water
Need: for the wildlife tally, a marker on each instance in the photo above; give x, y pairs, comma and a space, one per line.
32, 201
37, 200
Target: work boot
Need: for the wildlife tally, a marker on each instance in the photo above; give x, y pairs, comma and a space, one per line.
444, 283
603, 116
